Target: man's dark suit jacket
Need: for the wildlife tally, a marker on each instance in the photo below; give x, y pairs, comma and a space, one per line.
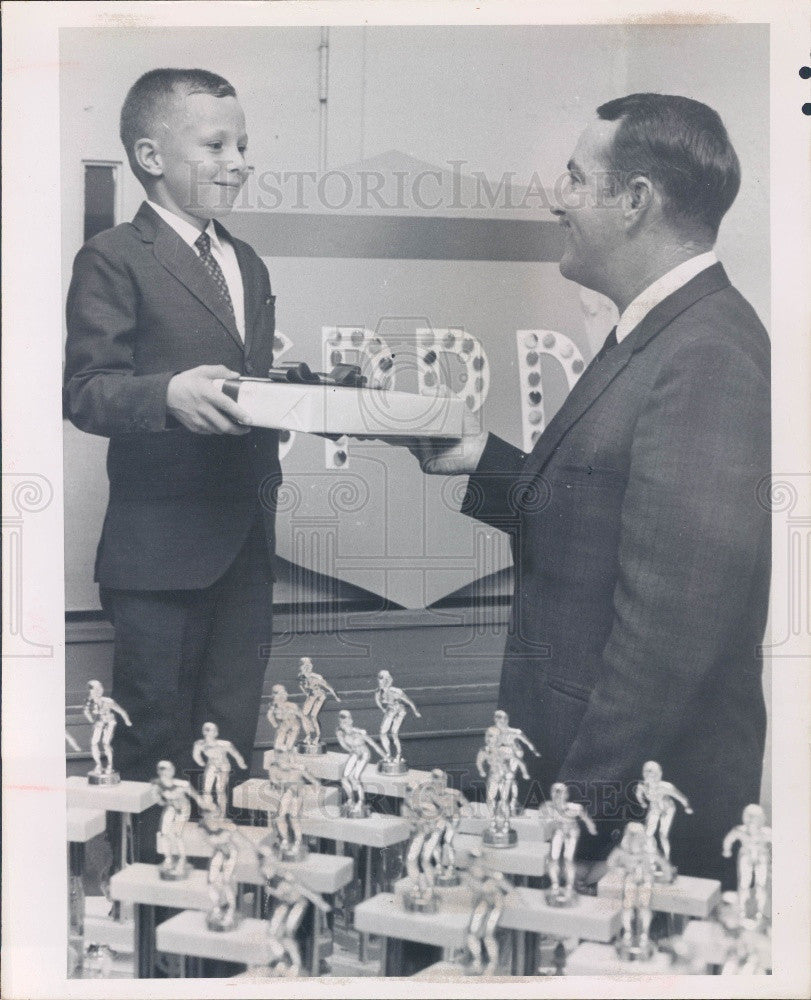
642, 557
140, 309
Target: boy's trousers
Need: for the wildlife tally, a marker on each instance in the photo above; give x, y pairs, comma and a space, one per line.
185, 657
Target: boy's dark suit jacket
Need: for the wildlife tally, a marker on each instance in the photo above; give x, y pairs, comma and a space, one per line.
140, 309
642, 553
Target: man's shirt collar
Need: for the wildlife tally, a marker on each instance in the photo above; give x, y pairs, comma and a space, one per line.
657, 292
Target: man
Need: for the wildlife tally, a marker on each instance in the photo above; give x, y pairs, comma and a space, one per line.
642, 555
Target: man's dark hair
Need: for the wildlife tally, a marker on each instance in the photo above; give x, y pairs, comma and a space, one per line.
683, 147
143, 104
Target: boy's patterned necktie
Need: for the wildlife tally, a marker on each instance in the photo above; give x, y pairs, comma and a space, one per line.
203, 244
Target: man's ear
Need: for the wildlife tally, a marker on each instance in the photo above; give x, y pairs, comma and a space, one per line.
638, 199
148, 157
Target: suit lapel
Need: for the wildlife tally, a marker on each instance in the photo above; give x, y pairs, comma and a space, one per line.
180, 260
600, 374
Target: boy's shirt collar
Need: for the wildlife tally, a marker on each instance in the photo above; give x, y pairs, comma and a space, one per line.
185, 230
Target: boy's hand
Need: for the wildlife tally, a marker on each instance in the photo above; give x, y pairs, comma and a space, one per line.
193, 400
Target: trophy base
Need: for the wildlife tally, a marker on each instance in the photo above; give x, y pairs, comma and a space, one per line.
500, 838
312, 749
560, 897
174, 874
635, 952
349, 811
218, 922
294, 853
421, 902
104, 778
446, 879
397, 766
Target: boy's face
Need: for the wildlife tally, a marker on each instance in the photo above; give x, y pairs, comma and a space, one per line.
202, 146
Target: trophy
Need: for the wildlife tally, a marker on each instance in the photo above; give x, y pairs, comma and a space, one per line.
315, 690
659, 797
490, 889
754, 855
422, 808
288, 780
640, 862
222, 890
453, 806
211, 753
509, 739
392, 702
356, 742
175, 795
100, 711
291, 902
562, 820
286, 719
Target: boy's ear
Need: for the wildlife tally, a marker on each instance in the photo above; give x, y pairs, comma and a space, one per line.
148, 157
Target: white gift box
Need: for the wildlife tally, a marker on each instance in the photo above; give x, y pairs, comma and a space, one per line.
331, 409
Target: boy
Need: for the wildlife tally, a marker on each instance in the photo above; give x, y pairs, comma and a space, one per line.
157, 309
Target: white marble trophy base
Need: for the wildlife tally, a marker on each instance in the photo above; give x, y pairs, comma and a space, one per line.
373, 830
255, 794
527, 858
315, 749
528, 825
330, 767
125, 797
100, 928
103, 778
688, 896
187, 934
85, 824
592, 959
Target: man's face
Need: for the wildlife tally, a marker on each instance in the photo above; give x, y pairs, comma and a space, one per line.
202, 145
589, 212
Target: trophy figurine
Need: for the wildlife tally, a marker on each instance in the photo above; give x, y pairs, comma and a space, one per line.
222, 890
288, 780
356, 742
392, 702
101, 711
640, 862
509, 739
175, 795
490, 889
211, 753
315, 690
286, 719
660, 798
562, 820
754, 855
291, 902
453, 806
424, 812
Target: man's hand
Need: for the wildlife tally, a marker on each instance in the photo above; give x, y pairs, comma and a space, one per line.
445, 456
193, 401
